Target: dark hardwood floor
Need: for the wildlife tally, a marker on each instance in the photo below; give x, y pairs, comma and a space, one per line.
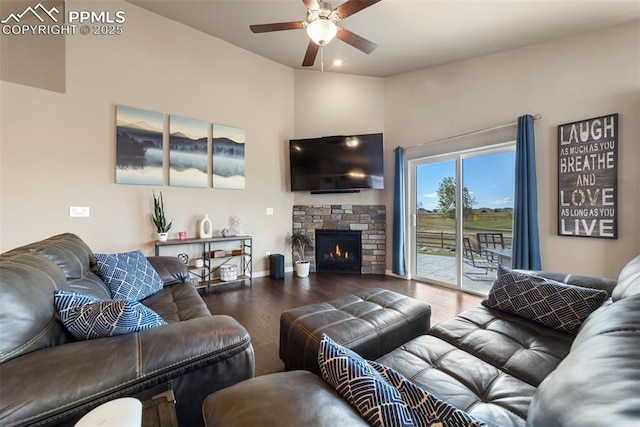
258, 307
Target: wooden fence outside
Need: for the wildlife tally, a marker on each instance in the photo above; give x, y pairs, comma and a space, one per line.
426, 240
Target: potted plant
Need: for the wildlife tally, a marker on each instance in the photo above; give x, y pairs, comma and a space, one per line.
299, 242
159, 218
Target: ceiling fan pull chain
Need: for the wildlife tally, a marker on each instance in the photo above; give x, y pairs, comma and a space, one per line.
322, 59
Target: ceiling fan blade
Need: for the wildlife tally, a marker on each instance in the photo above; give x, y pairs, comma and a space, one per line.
279, 26
353, 6
311, 4
310, 56
356, 41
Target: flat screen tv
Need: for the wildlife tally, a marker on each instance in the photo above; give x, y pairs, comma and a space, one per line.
337, 163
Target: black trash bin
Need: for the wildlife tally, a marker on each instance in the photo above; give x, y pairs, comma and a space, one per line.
276, 266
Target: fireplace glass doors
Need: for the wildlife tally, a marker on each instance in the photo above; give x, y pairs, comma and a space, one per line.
339, 251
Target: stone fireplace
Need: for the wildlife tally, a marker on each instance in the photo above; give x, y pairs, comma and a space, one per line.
369, 220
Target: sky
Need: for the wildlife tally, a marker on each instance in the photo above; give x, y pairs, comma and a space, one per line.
133, 115
488, 178
194, 129
223, 131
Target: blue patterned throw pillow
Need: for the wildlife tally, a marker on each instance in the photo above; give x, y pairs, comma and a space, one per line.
383, 396
550, 303
425, 408
129, 276
89, 318
364, 388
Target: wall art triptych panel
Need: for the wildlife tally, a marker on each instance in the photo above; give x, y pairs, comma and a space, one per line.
188, 160
139, 146
228, 157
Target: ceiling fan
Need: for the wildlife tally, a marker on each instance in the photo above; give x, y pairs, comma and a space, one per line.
322, 26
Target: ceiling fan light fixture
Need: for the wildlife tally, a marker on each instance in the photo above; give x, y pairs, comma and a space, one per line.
322, 31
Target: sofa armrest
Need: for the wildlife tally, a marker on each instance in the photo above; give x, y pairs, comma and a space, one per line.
64, 382
170, 269
284, 399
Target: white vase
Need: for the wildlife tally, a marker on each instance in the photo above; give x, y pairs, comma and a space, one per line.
302, 268
163, 237
206, 228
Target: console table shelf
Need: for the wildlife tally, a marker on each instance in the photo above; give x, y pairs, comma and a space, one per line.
213, 264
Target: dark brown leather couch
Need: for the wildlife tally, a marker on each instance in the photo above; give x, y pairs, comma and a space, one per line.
47, 378
501, 368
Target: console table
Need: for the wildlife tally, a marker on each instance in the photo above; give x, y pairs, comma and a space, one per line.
206, 274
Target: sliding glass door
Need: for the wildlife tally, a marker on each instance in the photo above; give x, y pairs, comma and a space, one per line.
487, 217
435, 221
461, 216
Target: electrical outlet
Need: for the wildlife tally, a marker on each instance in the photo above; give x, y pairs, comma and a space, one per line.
269, 211
79, 211
268, 254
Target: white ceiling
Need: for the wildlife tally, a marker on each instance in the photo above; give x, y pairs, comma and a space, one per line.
411, 34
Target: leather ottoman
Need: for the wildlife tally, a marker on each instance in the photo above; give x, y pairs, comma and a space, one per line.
371, 323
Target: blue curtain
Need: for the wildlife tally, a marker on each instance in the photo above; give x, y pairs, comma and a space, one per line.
526, 246
399, 265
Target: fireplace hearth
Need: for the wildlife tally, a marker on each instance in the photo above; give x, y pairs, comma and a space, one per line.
339, 251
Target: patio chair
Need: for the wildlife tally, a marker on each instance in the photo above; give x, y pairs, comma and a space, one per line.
489, 240
476, 261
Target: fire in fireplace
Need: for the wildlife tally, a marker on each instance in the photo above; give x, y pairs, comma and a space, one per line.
339, 251
339, 254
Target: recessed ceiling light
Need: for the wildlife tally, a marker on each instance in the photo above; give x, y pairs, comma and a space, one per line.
337, 62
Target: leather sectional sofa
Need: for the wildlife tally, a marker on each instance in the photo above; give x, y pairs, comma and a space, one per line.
501, 368
47, 378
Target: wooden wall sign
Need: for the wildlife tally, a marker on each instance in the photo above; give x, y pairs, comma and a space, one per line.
587, 178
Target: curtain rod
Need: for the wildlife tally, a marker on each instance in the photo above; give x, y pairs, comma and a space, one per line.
475, 132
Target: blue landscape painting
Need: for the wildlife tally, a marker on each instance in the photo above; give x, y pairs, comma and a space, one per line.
228, 157
138, 146
188, 160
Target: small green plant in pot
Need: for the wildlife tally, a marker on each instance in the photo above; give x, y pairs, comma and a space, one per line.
299, 242
159, 218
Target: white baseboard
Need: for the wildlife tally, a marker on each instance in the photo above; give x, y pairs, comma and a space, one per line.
266, 272
291, 269
392, 274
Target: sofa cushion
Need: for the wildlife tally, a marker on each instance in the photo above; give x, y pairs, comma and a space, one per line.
128, 275
559, 306
88, 318
170, 269
177, 303
509, 342
426, 409
76, 260
381, 395
462, 380
598, 380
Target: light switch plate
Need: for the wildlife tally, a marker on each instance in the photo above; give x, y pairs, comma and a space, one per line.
79, 211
